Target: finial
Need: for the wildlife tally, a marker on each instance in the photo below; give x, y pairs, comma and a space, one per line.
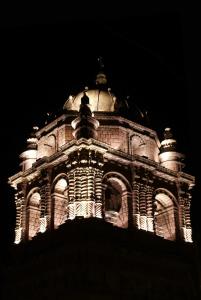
101, 77
168, 133
84, 108
33, 132
100, 61
35, 128
85, 125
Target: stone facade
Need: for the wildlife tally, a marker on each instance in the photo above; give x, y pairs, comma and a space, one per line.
97, 164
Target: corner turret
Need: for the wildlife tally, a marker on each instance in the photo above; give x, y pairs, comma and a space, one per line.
169, 157
29, 156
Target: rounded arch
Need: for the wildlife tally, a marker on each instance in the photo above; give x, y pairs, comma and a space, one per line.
60, 177
116, 190
60, 199
137, 144
50, 144
61, 185
33, 212
119, 178
165, 214
167, 193
138, 138
34, 197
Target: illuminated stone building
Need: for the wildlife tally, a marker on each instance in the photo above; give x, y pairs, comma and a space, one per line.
92, 163
106, 205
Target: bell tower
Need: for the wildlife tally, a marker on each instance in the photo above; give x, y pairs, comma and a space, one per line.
90, 162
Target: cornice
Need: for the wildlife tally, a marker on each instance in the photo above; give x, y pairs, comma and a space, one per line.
109, 153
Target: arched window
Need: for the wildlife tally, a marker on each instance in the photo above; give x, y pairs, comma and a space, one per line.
164, 215
33, 207
60, 201
116, 200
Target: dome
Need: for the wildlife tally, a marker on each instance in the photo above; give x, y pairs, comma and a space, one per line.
99, 100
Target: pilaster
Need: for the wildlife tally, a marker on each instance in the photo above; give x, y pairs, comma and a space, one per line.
85, 184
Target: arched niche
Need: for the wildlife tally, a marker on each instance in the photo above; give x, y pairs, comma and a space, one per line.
137, 145
165, 214
116, 198
60, 199
50, 145
33, 212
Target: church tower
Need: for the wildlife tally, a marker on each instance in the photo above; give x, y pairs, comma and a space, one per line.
102, 208
90, 162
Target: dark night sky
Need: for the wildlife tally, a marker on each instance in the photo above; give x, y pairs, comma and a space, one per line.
149, 54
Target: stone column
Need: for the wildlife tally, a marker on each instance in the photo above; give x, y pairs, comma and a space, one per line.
136, 204
21, 221
149, 208
43, 221
85, 183
104, 187
99, 201
19, 201
143, 208
71, 194
188, 231
182, 227
46, 201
